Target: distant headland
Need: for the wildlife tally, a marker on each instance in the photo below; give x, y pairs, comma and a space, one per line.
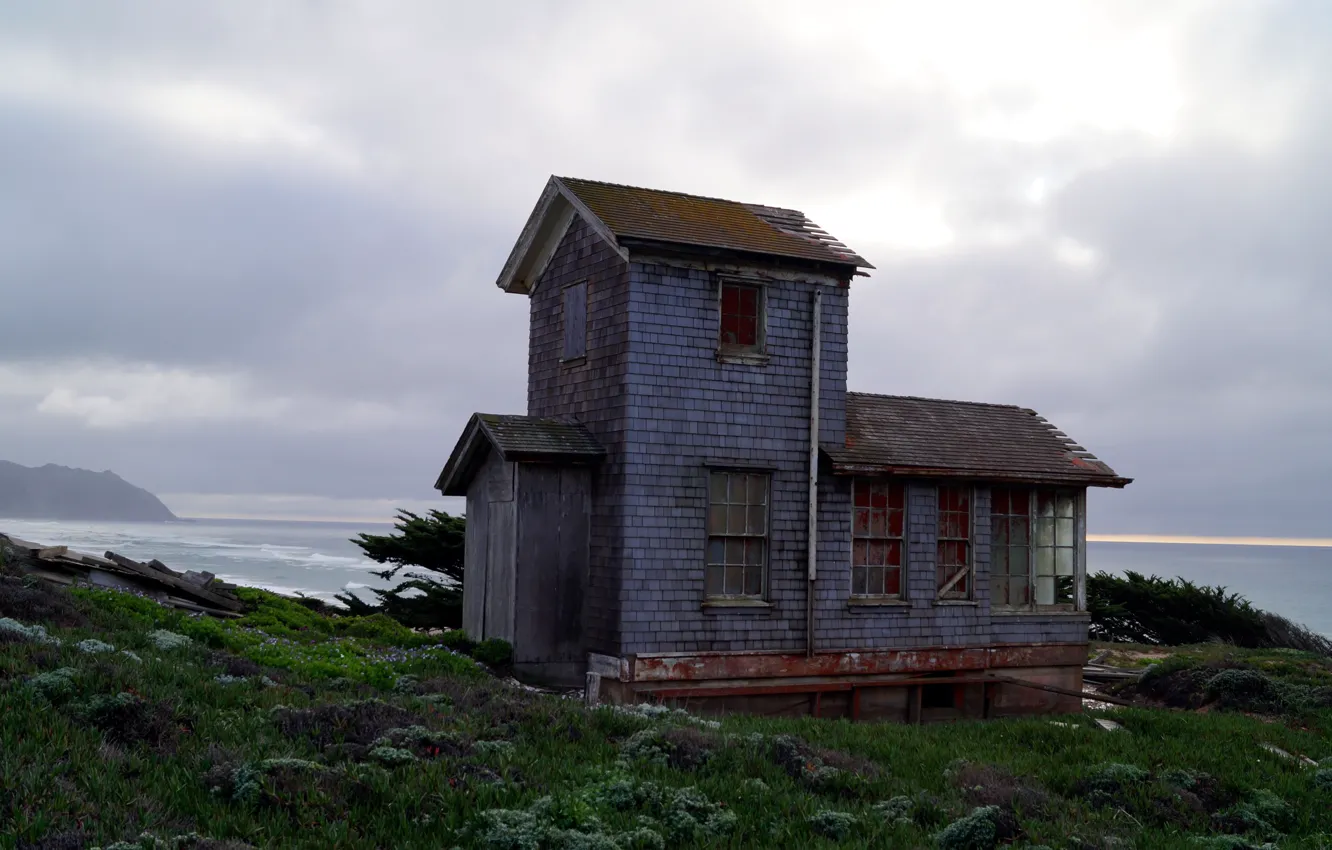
62, 493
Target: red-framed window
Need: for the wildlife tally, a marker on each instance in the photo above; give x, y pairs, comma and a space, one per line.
878, 531
741, 317
953, 555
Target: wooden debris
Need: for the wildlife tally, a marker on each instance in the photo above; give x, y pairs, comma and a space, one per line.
1304, 761
1108, 725
191, 591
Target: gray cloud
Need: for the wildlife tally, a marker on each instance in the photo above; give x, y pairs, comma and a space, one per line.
253, 252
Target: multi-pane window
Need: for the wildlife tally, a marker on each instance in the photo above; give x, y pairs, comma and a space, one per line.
1033, 548
877, 529
575, 321
741, 318
737, 534
953, 556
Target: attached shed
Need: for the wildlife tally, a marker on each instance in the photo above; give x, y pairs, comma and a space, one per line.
528, 485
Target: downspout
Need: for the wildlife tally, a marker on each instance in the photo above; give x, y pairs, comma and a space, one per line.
813, 472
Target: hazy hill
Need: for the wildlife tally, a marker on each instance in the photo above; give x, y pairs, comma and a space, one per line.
58, 492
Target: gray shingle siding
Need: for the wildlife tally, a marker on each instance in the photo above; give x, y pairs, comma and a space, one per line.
590, 391
653, 392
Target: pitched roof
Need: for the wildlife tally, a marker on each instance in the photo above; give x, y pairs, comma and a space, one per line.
517, 439
653, 214
997, 442
623, 214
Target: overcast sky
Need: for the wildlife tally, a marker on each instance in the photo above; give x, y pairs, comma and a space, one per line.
248, 250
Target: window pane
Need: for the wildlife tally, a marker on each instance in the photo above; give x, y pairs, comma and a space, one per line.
1019, 590
999, 532
1044, 532
878, 523
730, 299
758, 490
735, 581
1063, 532
1063, 590
878, 496
859, 577
999, 590
735, 519
754, 552
1017, 561
897, 496
735, 551
895, 520
730, 329
712, 585
747, 331
892, 582
1063, 562
894, 555
860, 553
1017, 531
862, 522
1045, 590
999, 500
758, 519
717, 488
862, 493
754, 581
1065, 505
716, 551
877, 552
749, 301
1044, 562
717, 519
999, 560
1045, 503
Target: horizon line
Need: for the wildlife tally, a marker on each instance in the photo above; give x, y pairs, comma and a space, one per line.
1208, 540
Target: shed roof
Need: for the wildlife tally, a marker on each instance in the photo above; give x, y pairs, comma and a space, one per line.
962, 439
657, 215
517, 439
623, 215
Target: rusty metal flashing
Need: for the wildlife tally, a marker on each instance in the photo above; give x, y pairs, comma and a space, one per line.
686, 667
974, 475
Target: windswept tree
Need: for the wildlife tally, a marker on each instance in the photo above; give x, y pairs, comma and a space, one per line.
430, 551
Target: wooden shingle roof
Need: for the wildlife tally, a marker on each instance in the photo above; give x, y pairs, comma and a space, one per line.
516, 439
903, 435
674, 217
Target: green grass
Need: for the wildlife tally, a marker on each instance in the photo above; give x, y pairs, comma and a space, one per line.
284, 763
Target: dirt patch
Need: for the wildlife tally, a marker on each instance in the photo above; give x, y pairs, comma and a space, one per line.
987, 785
129, 720
32, 602
360, 723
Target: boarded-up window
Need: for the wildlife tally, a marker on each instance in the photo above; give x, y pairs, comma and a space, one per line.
953, 557
878, 525
1033, 548
575, 321
741, 318
737, 534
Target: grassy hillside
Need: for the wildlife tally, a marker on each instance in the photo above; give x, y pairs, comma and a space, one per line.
121, 721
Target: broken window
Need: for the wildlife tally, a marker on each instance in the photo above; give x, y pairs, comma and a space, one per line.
1033, 548
953, 556
877, 531
737, 534
575, 321
741, 319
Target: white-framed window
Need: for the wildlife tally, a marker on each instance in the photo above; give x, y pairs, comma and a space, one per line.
737, 557
1034, 548
953, 562
878, 538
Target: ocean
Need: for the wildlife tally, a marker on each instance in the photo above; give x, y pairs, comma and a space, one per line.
319, 559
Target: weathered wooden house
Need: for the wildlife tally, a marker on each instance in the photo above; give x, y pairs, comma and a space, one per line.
661, 525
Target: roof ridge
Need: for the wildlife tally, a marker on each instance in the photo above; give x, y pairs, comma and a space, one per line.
944, 401
665, 192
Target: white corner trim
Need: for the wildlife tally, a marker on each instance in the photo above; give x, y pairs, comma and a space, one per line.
563, 222
523, 246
